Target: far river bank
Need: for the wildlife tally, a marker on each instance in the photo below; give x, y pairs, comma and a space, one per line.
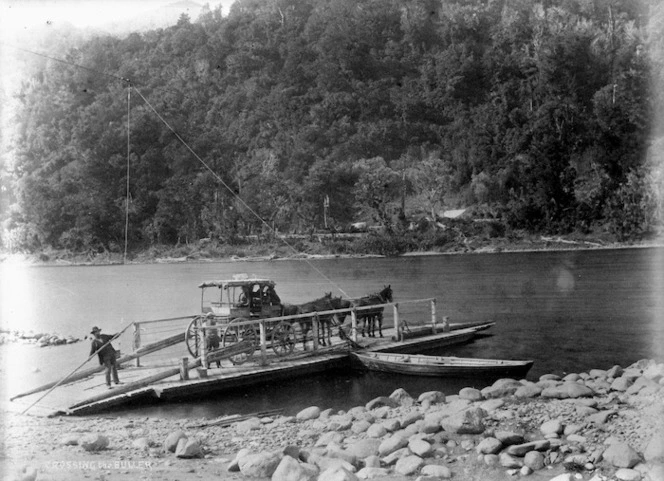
318, 246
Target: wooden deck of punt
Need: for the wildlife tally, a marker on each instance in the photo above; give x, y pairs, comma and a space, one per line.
81, 397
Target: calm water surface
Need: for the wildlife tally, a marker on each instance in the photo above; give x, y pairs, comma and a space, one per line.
569, 311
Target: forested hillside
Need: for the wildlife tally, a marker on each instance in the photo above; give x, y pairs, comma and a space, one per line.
538, 115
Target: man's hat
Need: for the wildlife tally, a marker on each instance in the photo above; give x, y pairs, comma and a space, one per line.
95, 329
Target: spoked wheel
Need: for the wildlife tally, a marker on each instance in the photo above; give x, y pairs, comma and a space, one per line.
236, 332
283, 339
193, 336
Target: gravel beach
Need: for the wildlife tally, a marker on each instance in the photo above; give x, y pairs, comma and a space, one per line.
604, 424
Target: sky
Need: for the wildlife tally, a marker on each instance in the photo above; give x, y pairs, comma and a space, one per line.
22, 15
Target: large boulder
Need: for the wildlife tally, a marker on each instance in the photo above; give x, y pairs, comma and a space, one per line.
654, 451
312, 412
402, 398
469, 421
364, 448
290, 469
337, 474
489, 446
471, 394
432, 397
436, 471
391, 444
409, 465
501, 388
621, 455
567, 390
261, 465
188, 448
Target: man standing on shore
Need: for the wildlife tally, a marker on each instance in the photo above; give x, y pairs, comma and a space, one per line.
101, 344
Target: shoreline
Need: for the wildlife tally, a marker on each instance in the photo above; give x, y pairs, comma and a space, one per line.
545, 245
599, 425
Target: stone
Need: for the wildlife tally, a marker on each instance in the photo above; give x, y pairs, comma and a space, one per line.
392, 425
615, 372
471, 394
360, 426
522, 449
489, 446
376, 431
94, 442
364, 448
402, 398
642, 383
69, 440
529, 390
432, 397
392, 458
654, 450
234, 465
381, 401
469, 421
509, 437
329, 437
340, 453
549, 377
337, 474
312, 412
597, 373
576, 438
410, 418
491, 459
600, 417
526, 470
142, 444
553, 426
567, 390
248, 425
624, 474
654, 372
622, 383
290, 469
534, 460
655, 472
492, 404
420, 447
188, 448
391, 444
372, 472
572, 377
261, 465
382, 412
501, 388
372, 461
408, 465
508, 461
621, 455
436, 471
563, 477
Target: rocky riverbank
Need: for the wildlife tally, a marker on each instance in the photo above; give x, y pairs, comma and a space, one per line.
599, 425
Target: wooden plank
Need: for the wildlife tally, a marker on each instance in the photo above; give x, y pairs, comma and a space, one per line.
146, 381
147, 349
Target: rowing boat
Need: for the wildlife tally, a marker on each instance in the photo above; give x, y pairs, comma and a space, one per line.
447, 366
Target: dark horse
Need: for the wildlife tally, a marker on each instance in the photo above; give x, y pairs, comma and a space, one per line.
325, 303
371, 317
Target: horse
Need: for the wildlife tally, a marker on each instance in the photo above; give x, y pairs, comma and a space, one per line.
371, 317
325, 303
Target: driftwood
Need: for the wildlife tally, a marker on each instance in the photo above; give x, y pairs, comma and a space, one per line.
235, 418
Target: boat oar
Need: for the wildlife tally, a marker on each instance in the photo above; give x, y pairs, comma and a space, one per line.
79, 367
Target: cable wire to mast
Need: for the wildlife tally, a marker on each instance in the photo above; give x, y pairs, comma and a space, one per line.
181, 140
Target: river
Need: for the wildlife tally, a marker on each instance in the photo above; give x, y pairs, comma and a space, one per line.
568, 310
